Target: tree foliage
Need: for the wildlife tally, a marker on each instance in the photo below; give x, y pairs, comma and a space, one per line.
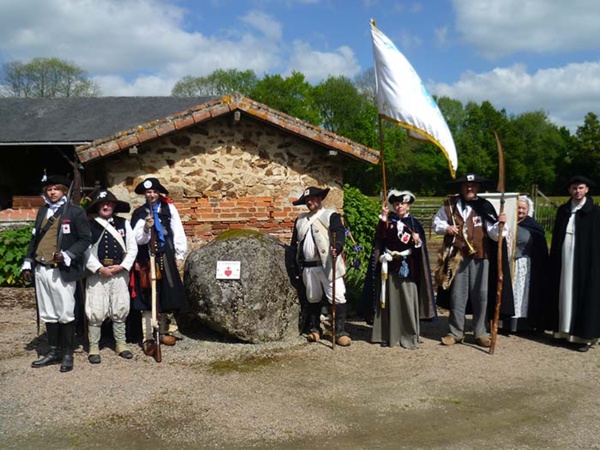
218, 83
46, 77
291, 95
536, 151
586, 151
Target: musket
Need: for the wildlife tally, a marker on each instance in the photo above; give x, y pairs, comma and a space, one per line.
501, 189
155, 321
334, 261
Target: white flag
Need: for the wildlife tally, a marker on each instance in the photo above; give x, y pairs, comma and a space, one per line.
403, 98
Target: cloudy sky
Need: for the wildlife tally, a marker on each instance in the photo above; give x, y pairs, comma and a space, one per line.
521, 55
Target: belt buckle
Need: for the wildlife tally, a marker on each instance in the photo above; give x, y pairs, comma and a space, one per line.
108, 261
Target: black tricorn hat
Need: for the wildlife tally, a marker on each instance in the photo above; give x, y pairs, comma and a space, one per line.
107, 196
311, 191
56, 179
581, 179
150, 183
470, 178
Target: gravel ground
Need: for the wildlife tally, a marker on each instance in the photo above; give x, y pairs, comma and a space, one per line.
213, 393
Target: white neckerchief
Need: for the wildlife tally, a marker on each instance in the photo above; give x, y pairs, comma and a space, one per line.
400, 226
53, 207
465, 209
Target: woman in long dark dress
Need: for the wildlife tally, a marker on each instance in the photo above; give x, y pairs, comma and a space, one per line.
406, 294
530, 263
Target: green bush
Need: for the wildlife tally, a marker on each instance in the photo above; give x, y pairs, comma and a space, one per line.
361, 215
13, 246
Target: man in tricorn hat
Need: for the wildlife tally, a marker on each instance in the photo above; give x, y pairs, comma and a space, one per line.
315, 252
574, 307
469, 223
61, 236
109, 261
157, 226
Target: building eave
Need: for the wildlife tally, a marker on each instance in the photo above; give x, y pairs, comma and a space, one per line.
215, 108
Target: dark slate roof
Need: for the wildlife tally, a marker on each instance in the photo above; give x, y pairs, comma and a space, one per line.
79, 120
102, 126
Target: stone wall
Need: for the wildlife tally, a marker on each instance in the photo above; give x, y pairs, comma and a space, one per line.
225, 174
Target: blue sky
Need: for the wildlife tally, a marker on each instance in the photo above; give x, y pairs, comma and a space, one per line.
521, 55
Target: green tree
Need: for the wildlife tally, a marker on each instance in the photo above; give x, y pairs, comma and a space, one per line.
220, 82
533, 146
46, 77
365, 84
291, 95
586, 154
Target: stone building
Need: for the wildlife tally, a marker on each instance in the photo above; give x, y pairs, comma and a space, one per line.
228, 162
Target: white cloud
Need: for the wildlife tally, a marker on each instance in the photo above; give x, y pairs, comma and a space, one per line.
498, 28
264, 23
117, 86
569, 92
441, 36
316, 65
142, 37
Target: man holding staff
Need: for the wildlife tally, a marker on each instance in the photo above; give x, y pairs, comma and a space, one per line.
158, 217
316, 253
469, 223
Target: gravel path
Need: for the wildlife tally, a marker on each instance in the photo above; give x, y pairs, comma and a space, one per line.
212, 393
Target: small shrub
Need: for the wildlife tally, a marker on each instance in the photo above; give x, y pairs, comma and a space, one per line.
13, 246
361, 215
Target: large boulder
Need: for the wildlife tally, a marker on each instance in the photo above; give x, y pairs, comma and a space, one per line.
262, 305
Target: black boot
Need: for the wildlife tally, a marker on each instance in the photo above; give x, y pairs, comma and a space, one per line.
68, 338
53, 355
342, 338
314, 322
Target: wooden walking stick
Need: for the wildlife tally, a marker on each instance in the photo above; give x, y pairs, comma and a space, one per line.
154, 321
334, 261
501, 189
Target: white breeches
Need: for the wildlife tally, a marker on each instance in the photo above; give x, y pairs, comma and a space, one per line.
317, 284
56, 298
107, 298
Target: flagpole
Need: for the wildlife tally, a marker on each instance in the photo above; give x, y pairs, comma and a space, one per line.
382, 153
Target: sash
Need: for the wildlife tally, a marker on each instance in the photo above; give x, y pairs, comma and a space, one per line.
385, 258
112, 230
308, 246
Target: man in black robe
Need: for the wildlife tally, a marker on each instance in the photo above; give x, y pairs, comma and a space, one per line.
574, 310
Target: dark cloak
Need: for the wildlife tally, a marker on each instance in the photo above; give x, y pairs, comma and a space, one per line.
485, 209
371, 289
538, 277
170, 290
586, 270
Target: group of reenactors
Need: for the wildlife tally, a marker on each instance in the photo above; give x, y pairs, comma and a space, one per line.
132, 268
113, 255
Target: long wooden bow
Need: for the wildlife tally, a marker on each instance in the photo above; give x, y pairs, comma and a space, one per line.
501, 189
